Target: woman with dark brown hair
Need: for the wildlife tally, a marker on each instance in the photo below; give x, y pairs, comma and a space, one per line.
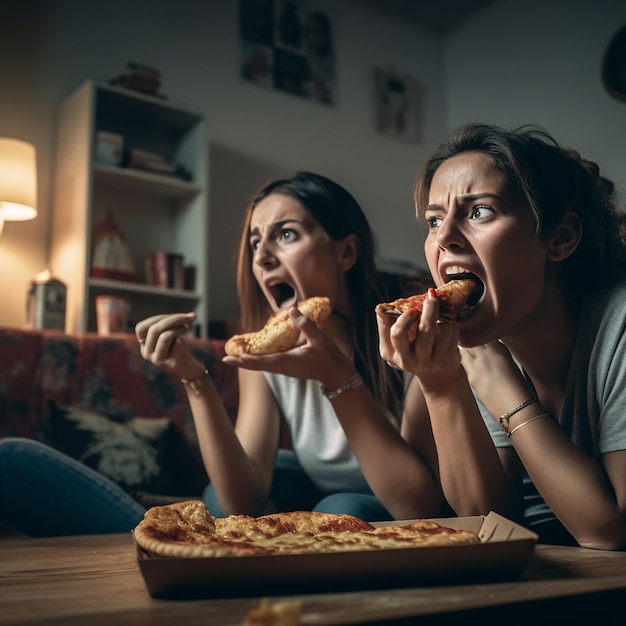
305, 236
526, 392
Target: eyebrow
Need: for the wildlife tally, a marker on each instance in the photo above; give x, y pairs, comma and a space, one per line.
275, 225
467, 198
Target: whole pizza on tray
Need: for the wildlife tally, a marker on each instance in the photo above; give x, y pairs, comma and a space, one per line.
187, 530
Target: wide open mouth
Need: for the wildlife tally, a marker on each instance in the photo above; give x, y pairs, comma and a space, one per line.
283, 294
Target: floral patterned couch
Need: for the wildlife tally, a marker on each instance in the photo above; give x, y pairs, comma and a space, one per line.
98, 400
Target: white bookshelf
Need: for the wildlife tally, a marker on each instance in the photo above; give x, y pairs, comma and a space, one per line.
154, 211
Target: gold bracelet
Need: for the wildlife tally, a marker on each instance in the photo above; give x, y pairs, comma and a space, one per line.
505, 417
195, 384
352, 383
532, 419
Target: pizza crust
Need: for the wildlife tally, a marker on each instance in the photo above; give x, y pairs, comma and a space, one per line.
279, 333
188, 530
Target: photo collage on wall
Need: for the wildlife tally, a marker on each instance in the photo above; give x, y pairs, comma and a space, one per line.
288, 45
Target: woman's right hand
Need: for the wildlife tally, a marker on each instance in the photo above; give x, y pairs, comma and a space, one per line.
433, 356
162, 343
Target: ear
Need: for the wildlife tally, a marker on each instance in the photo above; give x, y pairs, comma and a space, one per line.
348, 252
566, 237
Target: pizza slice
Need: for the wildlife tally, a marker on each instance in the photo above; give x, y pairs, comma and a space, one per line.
279, 333
453, 298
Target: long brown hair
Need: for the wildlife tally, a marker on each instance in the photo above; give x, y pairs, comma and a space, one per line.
340, 215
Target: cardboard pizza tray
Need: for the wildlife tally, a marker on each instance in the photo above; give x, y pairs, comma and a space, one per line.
502, 554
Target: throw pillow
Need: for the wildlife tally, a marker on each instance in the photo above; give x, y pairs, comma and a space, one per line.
140, 455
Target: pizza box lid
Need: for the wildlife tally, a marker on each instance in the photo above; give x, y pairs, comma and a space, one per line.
502, 554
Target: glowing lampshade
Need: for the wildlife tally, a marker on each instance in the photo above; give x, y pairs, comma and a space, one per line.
18, 180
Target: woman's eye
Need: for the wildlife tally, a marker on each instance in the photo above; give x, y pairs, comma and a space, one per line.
254, 243
433, 222
480, 212
288, 234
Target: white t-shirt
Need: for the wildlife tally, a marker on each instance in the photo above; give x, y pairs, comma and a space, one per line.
319, 441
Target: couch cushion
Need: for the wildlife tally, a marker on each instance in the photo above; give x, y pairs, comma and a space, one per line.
147, 455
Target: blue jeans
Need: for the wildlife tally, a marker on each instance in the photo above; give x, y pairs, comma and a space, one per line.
293, 490
44, 492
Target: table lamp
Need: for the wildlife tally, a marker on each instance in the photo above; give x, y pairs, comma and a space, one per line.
18, 181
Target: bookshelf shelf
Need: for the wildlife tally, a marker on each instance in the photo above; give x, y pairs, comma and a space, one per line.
155, 211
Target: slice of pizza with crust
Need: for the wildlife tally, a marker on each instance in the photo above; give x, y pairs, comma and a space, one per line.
187, 530
279, 333
453, 298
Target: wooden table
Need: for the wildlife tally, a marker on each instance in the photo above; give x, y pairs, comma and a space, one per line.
95, 580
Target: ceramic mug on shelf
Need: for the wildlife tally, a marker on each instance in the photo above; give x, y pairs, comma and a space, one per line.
112, 314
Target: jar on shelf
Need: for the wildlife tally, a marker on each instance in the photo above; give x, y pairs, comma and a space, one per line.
45, 302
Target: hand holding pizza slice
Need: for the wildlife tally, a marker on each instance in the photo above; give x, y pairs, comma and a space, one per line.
454, 298
279, 333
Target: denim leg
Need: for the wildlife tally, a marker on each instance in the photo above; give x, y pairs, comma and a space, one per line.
44, 492
292, 489
362, 505
209, 497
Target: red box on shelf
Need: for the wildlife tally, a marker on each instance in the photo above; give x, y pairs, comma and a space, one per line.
165, 269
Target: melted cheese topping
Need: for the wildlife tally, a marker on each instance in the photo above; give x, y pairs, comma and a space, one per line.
168, 530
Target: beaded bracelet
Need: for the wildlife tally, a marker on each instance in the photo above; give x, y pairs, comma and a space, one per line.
505, 417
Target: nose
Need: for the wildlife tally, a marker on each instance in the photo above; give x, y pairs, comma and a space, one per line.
449, 234
263, 254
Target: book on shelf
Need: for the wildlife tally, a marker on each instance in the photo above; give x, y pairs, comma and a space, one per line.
165, 269
150, 161
146, 156
155, 163
160, 168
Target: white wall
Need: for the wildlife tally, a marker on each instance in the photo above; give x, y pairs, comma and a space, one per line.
195, 45
25, 113
532, 61
517, 61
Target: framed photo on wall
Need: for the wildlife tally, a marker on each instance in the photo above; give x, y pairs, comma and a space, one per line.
398, 105
288, 45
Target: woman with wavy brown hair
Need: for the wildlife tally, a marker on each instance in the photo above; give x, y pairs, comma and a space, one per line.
353, 452
526, 392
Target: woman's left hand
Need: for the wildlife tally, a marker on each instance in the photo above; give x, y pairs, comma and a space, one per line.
495, 376
315, 357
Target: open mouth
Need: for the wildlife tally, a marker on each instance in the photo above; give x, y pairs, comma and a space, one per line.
283, 294
474, 297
